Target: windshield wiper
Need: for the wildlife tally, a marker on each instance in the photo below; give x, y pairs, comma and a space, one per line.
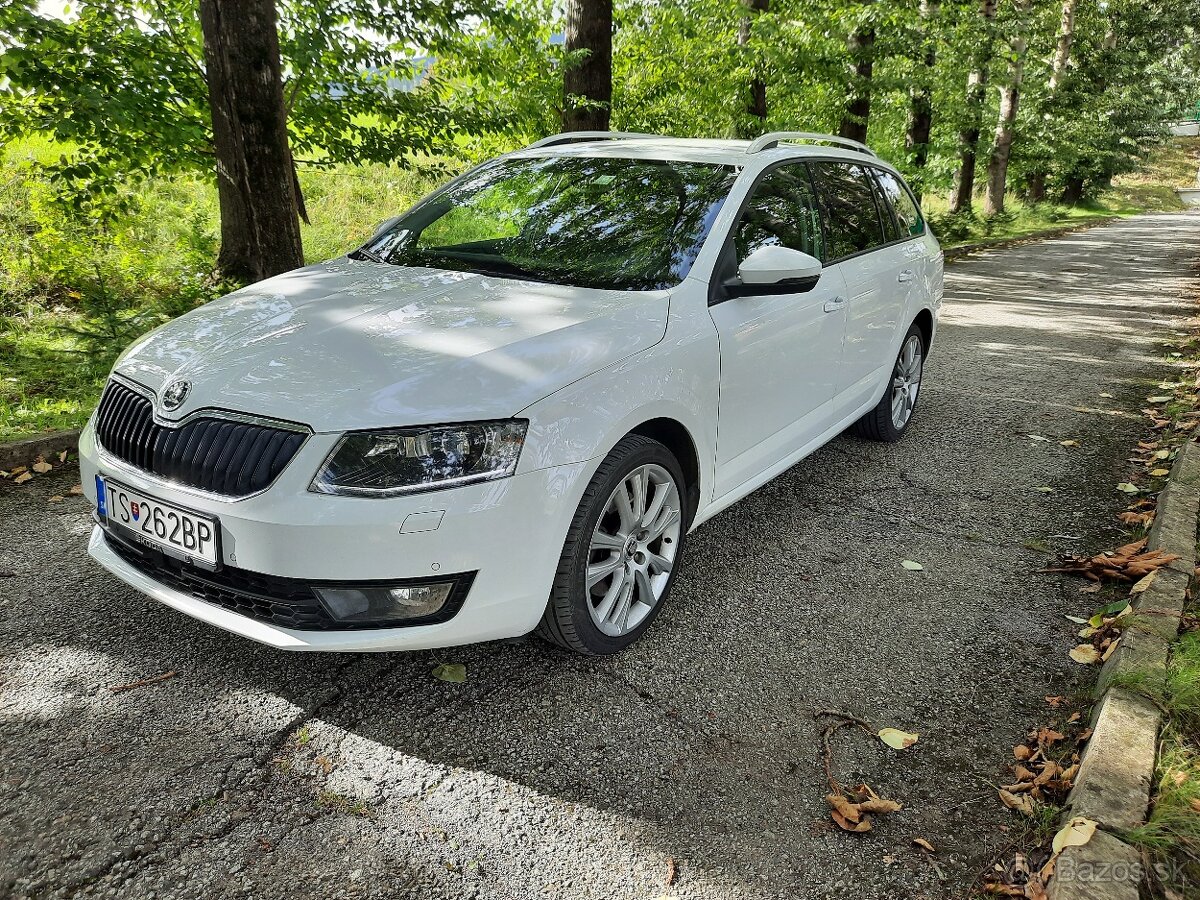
364, 253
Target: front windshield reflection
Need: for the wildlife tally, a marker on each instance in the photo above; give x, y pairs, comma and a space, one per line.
600, 222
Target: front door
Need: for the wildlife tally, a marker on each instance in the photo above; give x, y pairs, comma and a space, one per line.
779, 352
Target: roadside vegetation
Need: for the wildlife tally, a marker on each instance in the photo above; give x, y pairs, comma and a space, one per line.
76, 289
1008, 118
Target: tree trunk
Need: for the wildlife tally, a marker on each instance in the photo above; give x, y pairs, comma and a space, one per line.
1066, 36
962, 194
862, 61
1058, 73
756, 103
1072, 190
260, 229
920, 111
1010, 96
587, 83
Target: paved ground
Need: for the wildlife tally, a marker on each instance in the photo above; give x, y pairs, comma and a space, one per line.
258, 773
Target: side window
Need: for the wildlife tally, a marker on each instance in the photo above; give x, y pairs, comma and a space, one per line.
891, 231
783, 211
908, 214
851, 215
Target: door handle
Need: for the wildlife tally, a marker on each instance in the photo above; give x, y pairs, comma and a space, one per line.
906, 275
835, 304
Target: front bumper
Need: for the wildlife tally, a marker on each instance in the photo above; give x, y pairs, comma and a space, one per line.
509, 533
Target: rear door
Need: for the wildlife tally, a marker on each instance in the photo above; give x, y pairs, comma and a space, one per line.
909, 257
859, 228
779, 352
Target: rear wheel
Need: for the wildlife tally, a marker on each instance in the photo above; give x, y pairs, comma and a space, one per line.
890, 418
621, 552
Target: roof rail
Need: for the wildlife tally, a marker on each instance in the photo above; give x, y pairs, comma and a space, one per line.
570, 137
767, 141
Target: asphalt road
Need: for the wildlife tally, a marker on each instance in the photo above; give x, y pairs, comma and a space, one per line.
257, 773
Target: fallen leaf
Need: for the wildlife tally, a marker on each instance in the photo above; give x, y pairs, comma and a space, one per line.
1075, 833
843, 805
1019, 802
1159, 473
1073, 718
1162, 454
1085, 653
1076, 619
41, 466
1127, 488
57, 498
62, 457
1022, 752
1045, 490
924, 845
23, 477
1069, 443
1107, 396
76, 490
1143, 583
897, 739
17, 470
846, 825
1195, 804
912, 566
1158, 398
1038, 437
1108, 651
453, 672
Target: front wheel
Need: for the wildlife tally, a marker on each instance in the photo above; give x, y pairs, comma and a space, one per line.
889, 419
621, 553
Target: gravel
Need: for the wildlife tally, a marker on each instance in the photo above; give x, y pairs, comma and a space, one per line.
258, 773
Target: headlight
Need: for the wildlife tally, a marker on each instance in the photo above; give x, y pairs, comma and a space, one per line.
410, 460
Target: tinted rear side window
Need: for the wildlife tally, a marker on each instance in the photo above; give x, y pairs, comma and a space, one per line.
890, 229
908, 214
851, 216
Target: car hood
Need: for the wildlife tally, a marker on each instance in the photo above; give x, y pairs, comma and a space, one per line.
347, 344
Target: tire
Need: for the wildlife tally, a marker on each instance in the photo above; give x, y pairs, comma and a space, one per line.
597, 619
881, 423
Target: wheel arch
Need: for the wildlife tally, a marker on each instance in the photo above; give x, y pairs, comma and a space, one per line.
675, 436
924, 321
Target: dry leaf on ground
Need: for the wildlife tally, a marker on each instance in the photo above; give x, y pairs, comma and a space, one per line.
41, 466
1085, 653
23, 477
1128, 563
897, 739
1075, 833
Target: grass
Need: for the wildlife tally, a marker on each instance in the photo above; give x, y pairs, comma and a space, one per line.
1172, 835
76, 287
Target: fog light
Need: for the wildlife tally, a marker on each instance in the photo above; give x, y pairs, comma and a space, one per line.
382, 603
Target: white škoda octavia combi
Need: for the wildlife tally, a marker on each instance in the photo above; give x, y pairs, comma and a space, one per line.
508, 408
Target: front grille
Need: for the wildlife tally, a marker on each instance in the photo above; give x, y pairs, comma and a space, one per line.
221, 456
286, 602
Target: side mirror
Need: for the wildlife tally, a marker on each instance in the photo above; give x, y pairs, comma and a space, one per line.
775, 270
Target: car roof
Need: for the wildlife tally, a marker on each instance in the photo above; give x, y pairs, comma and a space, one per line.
726, 152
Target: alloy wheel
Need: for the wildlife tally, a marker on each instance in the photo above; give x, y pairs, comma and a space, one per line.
906, 381
633, 549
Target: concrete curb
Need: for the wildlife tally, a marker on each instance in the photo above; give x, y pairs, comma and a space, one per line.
1117, 770
953, 253
23, 453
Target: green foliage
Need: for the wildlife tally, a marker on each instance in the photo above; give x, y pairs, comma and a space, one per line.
74, 292
119, 85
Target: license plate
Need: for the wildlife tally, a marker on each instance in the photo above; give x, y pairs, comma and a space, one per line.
163, 526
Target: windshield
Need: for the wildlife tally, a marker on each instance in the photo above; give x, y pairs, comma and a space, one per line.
626, 224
